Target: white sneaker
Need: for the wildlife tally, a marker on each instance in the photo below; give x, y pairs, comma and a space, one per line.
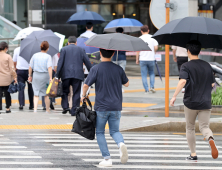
153, 90
123, 153
183, 90
106, 163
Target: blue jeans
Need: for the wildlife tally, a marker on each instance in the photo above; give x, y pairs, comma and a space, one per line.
113, 118
121, 63
147, 66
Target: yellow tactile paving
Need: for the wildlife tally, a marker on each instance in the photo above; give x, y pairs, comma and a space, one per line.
39, 126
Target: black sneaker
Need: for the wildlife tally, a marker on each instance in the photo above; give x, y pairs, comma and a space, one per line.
65, 111
8, 111
192, 158
44, 108
31, 108
52, 107
21, 108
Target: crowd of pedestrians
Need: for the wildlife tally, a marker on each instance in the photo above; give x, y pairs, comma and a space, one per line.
68, 66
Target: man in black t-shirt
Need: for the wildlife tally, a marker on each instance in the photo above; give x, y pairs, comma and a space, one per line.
198, 77
108, 78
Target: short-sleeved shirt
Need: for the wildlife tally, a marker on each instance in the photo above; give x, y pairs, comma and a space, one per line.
108, 78
22, 64
40, 62
148, 55
55, 60
87, 34
199, 76
180, 51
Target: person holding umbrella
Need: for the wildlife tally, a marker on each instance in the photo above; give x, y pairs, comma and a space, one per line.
41, 64
147, 59
7, 70
198, 77
89, 29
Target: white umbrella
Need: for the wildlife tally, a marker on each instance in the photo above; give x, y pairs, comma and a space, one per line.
62, 38
25, 32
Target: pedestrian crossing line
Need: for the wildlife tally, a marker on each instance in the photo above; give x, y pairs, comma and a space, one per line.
138, 150
8, 142
133, 146
112, 141
16, 151
25, 163
29, 157
143, 155
1, 135
160, 167
158, 161
17, 147
31, 169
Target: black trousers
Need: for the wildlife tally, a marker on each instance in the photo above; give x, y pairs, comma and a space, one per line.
76, 86
23, 78
180, 61
7, 97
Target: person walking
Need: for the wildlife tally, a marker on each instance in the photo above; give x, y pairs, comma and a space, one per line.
119, 57
22, 67
70, 70
198, 77
108, 103
7, 71
88, 33
180, 56
147, 59
41, 64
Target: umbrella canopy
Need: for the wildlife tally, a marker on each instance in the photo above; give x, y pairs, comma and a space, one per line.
128, 25
31, 44
88, 49
118, 41
25, 32
81, 18
179, 32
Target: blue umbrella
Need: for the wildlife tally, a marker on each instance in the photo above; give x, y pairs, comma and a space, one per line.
128, 25
81, 18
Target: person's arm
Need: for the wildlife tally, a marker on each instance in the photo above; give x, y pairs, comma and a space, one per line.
84, 90
86, 61
137, 57
15, 64
60, 63
174, 55
127, 84
12, 69
55, 68
49, 65
30, 74
50, 73
15, 55
180, 86
156, 48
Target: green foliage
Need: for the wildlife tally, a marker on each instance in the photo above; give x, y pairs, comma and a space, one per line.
65, 41
146, 116
216, 97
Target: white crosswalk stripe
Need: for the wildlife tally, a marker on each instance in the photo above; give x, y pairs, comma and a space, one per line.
145, 151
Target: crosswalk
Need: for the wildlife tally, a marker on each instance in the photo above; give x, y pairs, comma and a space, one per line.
145, 151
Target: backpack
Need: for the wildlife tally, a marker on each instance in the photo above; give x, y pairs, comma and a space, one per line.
85, 123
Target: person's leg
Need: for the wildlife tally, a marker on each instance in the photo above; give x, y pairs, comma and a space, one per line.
65, 85
8, 98
144, 70
76, 86
30, 92
36, 100
122, 63
1, 94
101, 120
43, 102
21, 94
190, 116
204, 119
151, 67
47, 103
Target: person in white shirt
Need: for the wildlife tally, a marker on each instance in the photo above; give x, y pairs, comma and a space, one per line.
89, 29
147, 59
22, 67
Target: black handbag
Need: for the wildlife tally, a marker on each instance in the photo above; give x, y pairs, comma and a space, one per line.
85, 123
59, 90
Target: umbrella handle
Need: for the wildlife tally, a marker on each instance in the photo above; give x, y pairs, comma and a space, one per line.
117, 56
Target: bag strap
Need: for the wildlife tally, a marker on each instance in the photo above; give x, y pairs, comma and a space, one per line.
89, 103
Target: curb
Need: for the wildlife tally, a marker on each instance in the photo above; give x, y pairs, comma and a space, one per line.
173, 127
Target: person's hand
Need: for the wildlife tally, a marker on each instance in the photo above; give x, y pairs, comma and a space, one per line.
137, 61
16, 81
30, 79
174, 59
82, 99
50, 80
172, 101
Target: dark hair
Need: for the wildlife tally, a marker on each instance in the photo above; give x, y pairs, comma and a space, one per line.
14, 22
44, 45
3, 46
194, 47
144, 28
107, 53
89, 25
119, 30
72, 39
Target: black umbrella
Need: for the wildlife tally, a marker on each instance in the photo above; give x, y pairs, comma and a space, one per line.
31, 44
118, 41
179, 32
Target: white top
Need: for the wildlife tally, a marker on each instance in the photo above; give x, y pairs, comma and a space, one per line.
55, 60
180, 51
22, 64
87, 34
148, 55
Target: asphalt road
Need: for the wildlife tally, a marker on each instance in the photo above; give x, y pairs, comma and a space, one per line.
63, 150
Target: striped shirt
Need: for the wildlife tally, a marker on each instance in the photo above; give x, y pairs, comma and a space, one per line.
40, 62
